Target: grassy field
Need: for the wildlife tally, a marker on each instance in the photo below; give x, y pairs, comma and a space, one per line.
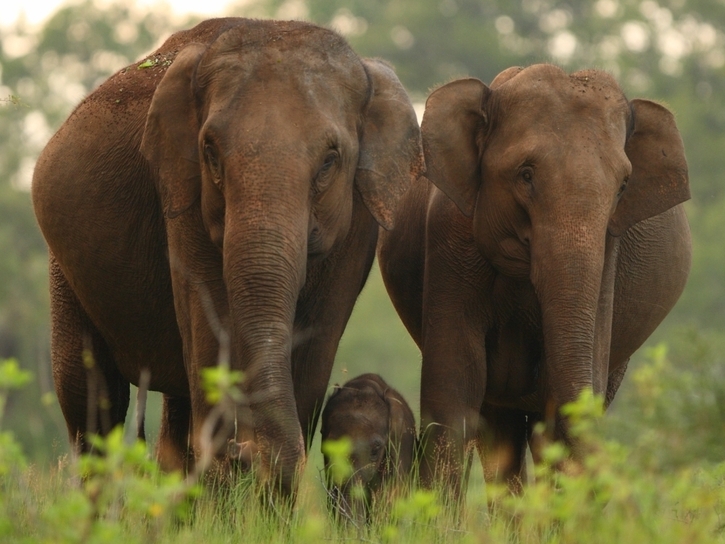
123, 498
617, 495
656, 472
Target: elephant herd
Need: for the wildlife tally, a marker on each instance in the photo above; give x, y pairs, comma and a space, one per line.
219, 203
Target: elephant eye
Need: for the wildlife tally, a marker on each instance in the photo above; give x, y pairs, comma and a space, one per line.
527, 174
622, 187
330, 160
322, 179
376, 447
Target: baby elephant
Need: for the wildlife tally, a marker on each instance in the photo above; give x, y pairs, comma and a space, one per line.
381, 427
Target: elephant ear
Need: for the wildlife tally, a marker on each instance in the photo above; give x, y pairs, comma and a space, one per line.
391, 153
170, 137
659, 177
401, 427
453, 117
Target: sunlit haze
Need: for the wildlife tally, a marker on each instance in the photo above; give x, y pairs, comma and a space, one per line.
37, 11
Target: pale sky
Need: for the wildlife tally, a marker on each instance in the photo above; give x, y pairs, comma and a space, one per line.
37, 11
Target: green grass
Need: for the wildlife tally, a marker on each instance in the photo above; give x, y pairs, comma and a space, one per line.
609, 501
655, 474
123, 497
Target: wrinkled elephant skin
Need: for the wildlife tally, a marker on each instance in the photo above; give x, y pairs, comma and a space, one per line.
548, 247
220, 201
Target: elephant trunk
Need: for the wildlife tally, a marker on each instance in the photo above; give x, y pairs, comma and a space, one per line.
568, 269
264, 270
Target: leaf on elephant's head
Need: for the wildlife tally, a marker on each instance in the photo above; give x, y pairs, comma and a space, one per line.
148, 63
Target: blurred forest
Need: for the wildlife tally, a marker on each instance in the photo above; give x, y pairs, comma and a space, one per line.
673, 400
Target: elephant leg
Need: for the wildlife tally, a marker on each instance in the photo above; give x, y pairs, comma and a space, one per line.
456, 319
323, 310
173, 449
502, 444
312, 363
537, 439
212, 425
93, 395
453, 383
202, 314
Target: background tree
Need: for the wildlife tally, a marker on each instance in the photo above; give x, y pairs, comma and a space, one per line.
43, 74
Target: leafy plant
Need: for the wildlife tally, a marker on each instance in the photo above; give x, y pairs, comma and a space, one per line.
338, 453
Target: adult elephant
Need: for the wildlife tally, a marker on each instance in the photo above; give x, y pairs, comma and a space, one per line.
549, 248
228, 186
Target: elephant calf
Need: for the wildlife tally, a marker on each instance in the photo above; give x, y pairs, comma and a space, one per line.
381, 426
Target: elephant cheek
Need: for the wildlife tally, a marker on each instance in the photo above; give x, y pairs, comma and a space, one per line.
216, 232
213, 208
501, 233
330, 221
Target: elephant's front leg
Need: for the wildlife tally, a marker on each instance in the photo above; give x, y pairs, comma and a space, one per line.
206, 345
202, 313
323, 310
453, 379
503, 437
451, 394
173, 450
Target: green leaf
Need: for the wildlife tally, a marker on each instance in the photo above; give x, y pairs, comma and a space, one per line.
220, 381
12, 376
148, 63
338, 453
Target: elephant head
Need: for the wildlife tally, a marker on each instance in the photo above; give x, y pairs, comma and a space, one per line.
553, 169
262, 141
381, 428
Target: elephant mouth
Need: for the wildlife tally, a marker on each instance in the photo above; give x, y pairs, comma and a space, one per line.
511, 257
512, 267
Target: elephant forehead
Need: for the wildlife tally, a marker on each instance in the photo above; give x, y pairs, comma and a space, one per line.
547, 95
545, 79
360, 430
268, 81
270, 62
549, 120
290, 51
283, 35
358, 412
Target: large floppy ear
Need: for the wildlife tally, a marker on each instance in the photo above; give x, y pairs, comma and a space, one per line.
170, 136
453, 117
391, 152
401, 427
659, 178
